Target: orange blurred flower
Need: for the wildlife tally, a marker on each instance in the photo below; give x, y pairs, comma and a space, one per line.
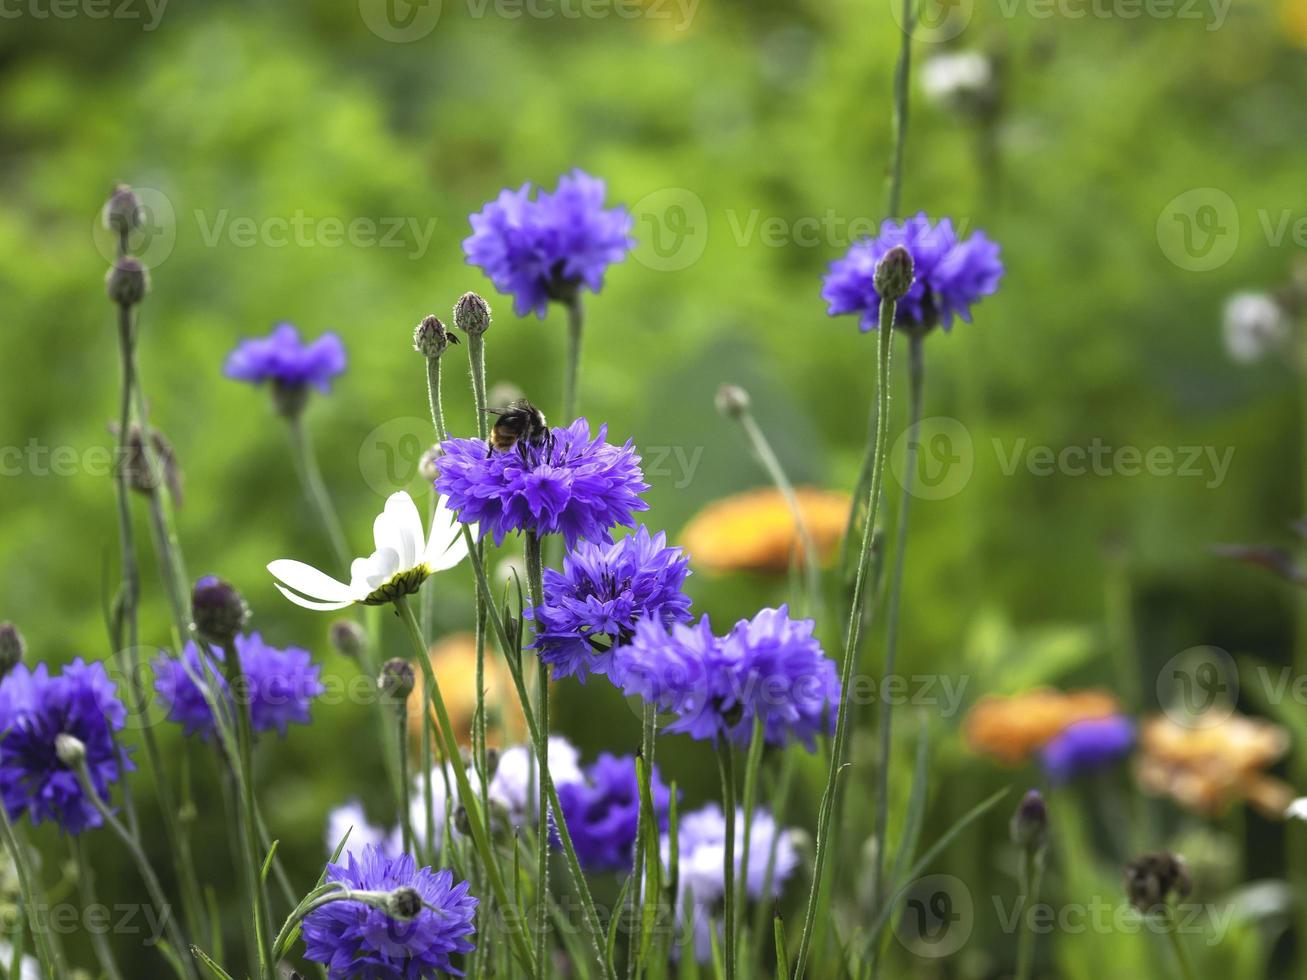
1010, 728
1293, 15
754, 531
1208, 763
454, 661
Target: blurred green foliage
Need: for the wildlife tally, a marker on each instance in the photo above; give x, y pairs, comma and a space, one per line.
767, 116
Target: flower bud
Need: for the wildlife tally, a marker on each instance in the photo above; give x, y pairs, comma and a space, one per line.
431, 338
1151, 880
127, 281
429, 464
404, 903
396, 681
12, 648
472, 314
894, 274
1029, 825
348, 637
122, 212
69, 749
218, 611
462, 822
732, 401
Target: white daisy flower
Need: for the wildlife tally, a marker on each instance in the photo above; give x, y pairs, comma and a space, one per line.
398, 566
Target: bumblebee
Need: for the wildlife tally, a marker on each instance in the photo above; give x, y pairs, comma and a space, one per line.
521, 424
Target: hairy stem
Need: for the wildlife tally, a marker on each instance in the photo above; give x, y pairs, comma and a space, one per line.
572, 366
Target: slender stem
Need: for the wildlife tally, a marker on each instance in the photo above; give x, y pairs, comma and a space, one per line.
535, 587
572, 367
405, 817
86, 887
236, 684
884, 349
476, 353
916, 380
1032, 873
1181, 954
646, 837
726, 763
306, 466
145, 869
772, 464
752, 765
902, 71
48, 954
1297, 841
433, 398
467, 797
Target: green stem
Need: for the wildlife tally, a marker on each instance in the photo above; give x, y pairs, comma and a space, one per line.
405, 818
535, 588
86, 887
146, 871
1032, 873
315, 490
476, 354
916, 382
772, 464
884, 349
48, 955
726, 764
476, 820
752, 765
1181, 954
902, 72
572, 366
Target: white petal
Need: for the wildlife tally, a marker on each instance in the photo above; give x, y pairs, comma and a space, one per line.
311, 603
369, 573
406, 525
449, 557
446, 536
308, 580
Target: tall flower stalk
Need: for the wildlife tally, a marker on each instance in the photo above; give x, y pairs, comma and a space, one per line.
894, 276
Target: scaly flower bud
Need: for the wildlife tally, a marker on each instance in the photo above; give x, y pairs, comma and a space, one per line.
69, 749
732, 401
122, 212
396, 681
1029, 825
12, 648
431, 338
217, 610
894, 274
348, 637
127, 281
1151, 879
472, 314
404, 904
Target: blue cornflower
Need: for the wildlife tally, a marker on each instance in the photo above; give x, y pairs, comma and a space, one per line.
282, 359
592, 605
573, 485
548, 248
951, 274
35, 708
1087, 746
770, 667
603, 811
280, 685
356, 939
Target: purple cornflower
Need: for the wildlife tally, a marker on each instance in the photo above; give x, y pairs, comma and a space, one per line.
358, 939
603, 812
35, 708
951, 274
592, 605
282, 359
769, 668
548, 248
1087, 746
572, 485
280, 685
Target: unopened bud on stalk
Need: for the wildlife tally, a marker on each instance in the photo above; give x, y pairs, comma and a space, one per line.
12, 648
122, 212
218, 611
404, 904
431, 338
69, 749
1029, 825
396, 681
127, 281
1151, 880
348, 637
472, 314
894, 274
732, 401
462, 822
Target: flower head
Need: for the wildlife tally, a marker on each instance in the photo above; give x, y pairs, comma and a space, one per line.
280, 685
573, 485
358, 939
602, 811
515, 785
548, 248
398, 566
1088, 746
592, 605
35, 709
952, 274
1010, 728
284, 360
754, 531
769, 668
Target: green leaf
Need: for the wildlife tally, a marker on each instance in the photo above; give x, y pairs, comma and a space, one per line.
207, 961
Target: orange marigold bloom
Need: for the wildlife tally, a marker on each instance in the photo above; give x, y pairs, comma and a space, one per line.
1211, 761
454, 661
754, 531
1011, 728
